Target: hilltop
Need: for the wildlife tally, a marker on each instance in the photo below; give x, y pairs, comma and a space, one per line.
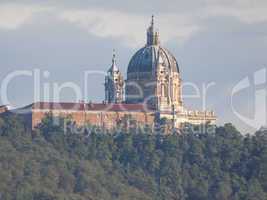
51, 163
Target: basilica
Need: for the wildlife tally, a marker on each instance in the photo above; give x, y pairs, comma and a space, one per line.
150, 92
153, 80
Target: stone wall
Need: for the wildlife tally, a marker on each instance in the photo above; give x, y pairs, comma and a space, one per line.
107, 119
3, 109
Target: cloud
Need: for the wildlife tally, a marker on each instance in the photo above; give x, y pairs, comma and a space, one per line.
246, 11
129, 28
178, 25
12, 16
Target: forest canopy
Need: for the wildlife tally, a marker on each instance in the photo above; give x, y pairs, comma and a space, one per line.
52, 163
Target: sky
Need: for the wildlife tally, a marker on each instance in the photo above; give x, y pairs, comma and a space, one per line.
216, 43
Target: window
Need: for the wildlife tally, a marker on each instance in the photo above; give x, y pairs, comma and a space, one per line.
164, 90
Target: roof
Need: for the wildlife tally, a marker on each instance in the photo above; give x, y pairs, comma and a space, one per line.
113, 67
6, 107
90, 106
148, 57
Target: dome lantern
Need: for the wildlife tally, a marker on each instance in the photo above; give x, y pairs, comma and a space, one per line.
152, 35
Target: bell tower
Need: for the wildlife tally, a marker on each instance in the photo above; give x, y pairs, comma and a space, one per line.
114, 84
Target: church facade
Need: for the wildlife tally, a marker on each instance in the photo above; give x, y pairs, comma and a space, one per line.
151, 91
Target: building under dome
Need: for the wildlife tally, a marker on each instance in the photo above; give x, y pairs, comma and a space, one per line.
152, 91
153, 80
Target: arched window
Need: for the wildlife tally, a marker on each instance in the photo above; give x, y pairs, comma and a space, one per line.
175, 92
164, 90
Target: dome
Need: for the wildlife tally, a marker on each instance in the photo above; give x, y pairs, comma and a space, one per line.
145, 59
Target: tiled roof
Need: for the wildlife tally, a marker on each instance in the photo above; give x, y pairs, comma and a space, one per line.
3, 106
90, 106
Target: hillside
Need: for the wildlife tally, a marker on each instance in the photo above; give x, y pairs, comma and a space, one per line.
52, 164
